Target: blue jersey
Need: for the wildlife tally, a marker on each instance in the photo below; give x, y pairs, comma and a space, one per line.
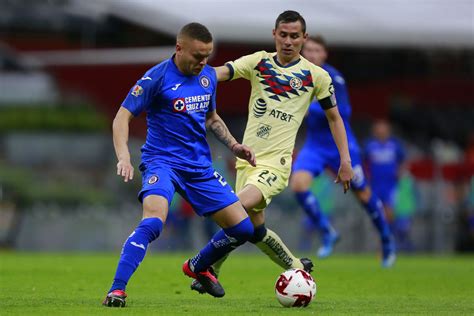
319, 150
319, 134
383, 160
176, 106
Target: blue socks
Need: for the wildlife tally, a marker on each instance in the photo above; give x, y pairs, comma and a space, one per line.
375, 210
310, 204
134, 250
223, 242
259, 233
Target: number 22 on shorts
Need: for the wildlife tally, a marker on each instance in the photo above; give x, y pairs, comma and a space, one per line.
267, 177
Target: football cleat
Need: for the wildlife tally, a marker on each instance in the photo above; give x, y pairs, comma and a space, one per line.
196, 286
206, 279
116, 298
388, 253
307, 264
329, 241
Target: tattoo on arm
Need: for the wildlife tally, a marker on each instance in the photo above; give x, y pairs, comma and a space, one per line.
221, 132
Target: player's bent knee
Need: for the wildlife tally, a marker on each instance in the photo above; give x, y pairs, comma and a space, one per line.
295, 183
257, 218
300, 181
155, 206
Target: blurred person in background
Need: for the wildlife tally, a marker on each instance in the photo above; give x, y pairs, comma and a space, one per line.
405, 205
283, 86
178, 96
319, 152
384, 156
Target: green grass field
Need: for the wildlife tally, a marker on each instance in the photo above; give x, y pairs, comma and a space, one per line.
53, 284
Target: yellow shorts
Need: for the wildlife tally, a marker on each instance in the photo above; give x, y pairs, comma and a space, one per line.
268, 180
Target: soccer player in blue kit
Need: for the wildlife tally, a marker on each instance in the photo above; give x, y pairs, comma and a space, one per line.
384, 155
319, 151
178, 96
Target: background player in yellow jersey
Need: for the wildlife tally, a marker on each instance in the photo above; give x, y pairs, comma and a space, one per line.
283, 85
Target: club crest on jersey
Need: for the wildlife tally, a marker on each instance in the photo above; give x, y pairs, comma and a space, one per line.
296, 83
179, 105
137, 90
204, 81
259, 108
153, 179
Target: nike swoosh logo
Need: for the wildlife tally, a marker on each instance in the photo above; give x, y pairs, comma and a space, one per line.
137, 245
176, 86
146, 78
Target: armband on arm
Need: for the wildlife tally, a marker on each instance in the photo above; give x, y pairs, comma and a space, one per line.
328, 102
231, 71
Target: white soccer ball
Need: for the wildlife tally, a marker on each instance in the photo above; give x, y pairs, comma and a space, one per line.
295, 288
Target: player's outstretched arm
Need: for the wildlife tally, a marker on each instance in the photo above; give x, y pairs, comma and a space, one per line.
222, 73
120, 136
338, 131
215, 124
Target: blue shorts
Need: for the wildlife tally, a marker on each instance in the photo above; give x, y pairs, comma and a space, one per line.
315, 160
386, 193
205, 189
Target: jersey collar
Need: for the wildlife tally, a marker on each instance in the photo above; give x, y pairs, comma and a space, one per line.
173, 65
275, 59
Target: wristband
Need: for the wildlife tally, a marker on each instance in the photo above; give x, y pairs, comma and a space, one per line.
232, 148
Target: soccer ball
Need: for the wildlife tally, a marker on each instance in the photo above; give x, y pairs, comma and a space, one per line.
295, 288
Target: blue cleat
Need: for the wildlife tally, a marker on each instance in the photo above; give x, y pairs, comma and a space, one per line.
329, 240
388, 253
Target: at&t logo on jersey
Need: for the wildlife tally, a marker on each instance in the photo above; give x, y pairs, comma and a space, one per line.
281, 115
195, 103
259, 108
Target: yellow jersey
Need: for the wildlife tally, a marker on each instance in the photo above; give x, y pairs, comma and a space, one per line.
278, 102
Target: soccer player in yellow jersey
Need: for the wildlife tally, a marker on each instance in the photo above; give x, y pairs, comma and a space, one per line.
283, 85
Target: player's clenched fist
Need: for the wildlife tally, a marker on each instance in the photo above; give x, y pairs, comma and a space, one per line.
125, 170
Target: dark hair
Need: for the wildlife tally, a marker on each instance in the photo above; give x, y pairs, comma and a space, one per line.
196, 31
319, 39
290, 16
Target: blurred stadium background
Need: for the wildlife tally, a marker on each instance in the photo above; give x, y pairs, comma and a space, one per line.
66, 66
